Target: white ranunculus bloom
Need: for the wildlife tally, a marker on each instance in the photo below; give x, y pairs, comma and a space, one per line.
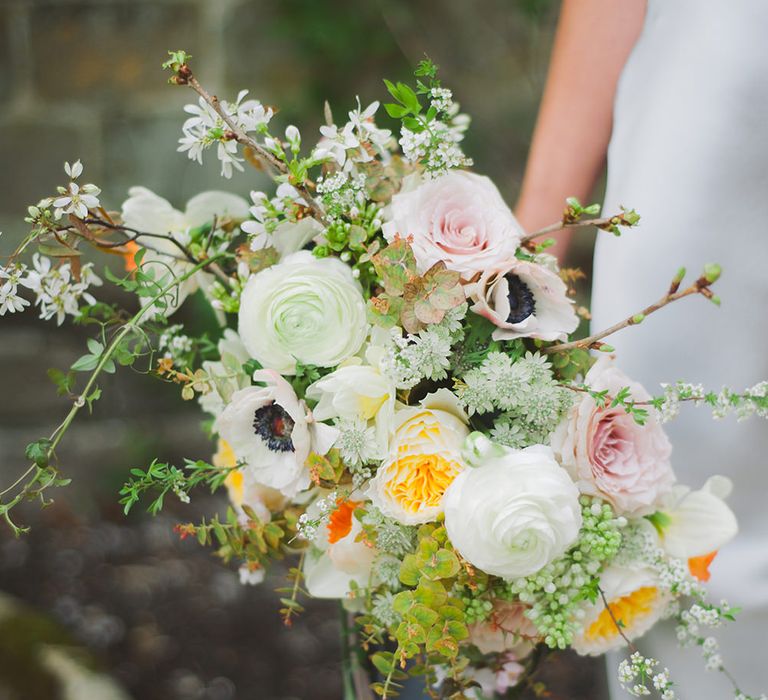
272, 432
424, 458
635, 598
145, 211
699, 522
304, 309
515, 514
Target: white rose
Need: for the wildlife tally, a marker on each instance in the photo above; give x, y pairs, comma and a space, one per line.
514, 515
270, 430
304, 309
459, 218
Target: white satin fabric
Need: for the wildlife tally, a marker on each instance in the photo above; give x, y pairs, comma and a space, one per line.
690, 152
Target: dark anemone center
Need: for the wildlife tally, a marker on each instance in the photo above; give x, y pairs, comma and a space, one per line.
274, 426
521, 301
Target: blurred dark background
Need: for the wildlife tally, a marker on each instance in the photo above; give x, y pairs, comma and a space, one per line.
96, 606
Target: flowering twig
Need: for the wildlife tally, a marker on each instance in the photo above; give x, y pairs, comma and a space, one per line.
43, 475
184, 76
700, 286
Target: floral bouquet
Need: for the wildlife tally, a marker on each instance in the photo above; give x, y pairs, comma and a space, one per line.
395, 399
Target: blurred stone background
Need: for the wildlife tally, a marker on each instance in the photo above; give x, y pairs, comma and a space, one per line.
96, 606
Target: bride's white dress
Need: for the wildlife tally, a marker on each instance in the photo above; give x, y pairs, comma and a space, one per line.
690, 153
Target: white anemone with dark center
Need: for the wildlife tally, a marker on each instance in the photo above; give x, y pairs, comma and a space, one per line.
272, 433
274, 426
521, 301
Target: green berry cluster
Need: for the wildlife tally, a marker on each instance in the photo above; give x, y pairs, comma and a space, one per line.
557, 592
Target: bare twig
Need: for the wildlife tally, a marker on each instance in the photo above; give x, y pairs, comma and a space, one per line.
186, 77
606, 223
700, 286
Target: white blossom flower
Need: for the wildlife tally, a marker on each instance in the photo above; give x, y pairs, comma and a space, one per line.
205, 128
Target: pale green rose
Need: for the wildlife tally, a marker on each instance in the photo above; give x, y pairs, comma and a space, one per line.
305, 310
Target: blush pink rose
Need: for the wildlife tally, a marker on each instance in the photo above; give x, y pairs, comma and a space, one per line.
524, 300
506, 629
459, 218
611, 456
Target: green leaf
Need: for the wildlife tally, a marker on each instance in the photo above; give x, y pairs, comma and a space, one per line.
37, 452
384, 662
409, 570
85, 363
425, 616
395, 111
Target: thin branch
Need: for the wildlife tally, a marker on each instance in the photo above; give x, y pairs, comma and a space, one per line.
700, 286
186, 77
606, 223
630, 645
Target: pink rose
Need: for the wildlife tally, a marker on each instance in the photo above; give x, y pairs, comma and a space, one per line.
525, 300
506, 629
611, 456
459, 218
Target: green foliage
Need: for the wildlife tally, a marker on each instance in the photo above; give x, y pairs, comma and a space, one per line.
164, 477
570, 364
411, 300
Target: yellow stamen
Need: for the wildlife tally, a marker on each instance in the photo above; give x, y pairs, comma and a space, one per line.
419, 481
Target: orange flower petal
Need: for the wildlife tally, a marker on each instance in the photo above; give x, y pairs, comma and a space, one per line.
699, 566
340, 522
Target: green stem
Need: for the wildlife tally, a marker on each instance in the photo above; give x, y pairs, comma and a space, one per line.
346, 656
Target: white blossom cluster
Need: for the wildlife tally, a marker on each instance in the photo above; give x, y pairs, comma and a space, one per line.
206, 128
268, 213
753, 401
425, 355
356, 142
639, 545
307, 526
635, 673
175, 345
58, 290
436, 146
74, 199
689, 626
343, 194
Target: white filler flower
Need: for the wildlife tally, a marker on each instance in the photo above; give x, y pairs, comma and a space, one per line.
304, 309
514, 515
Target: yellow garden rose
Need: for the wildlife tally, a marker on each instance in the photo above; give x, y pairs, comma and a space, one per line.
425, 457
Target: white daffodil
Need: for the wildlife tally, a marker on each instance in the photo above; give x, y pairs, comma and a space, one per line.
339, 555
697, 522
636, 601
149, 213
